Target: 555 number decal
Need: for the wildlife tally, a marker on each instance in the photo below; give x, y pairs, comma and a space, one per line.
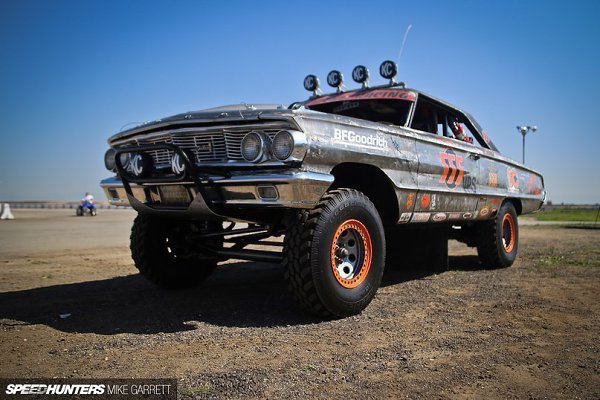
453, 170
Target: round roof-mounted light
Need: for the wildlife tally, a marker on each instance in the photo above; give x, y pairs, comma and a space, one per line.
335, 79
360, 74
311, 83
388, 70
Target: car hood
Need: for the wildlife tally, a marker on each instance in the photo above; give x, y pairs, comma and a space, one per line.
211, 116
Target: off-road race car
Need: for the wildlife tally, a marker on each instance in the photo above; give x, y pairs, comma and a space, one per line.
348, 179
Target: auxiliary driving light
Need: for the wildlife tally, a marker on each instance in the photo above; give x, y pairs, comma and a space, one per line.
140, 164
335, 79
360, 74
177, 164
252, 146
283, 145
109, 160
311, 83
125, 159
388, 70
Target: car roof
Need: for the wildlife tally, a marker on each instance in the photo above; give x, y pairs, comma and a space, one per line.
360, 94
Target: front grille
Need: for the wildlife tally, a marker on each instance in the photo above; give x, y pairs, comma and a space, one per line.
207, 145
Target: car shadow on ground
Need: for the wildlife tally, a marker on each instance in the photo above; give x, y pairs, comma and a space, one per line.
237, 295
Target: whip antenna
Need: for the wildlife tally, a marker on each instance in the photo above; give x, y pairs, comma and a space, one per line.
408, 28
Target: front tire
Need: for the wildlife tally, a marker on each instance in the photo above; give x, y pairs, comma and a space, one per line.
161, 253
334, 255
498, 240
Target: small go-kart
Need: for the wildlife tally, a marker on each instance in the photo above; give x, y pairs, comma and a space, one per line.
86, 208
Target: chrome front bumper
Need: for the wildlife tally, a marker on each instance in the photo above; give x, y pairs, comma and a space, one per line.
271, 189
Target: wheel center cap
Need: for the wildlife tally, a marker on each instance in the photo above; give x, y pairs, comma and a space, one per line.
345, 269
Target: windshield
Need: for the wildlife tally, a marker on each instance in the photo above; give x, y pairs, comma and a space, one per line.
389, 106
389, 111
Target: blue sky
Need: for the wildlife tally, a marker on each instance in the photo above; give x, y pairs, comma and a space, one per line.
74, 72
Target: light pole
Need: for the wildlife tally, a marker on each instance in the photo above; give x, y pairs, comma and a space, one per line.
524, 131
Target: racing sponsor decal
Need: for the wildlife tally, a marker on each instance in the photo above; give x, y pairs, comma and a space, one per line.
136, 164
495, 201
405, 217
434, 202
439, 217
351, 138
534, 184
177, 165
425, 201
492, 178
420, 217
470, 183
381, 94
454, 216
467, 215
513, 180
484, 212
453, 170
410, 200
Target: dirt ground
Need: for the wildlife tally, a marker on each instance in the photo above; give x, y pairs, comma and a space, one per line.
529, 331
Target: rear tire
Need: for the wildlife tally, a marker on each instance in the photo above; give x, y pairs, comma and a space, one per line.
162, 255
334, 255
498, 240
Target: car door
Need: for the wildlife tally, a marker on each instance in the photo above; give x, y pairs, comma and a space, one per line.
447, 172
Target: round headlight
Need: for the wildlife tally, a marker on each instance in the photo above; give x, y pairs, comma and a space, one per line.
109, 160
283, 145
252, 147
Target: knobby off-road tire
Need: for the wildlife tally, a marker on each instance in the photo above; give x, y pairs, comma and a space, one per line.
498, 240
334, 254
162, 256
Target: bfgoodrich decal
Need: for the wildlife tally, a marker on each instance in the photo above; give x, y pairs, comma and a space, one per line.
352, 138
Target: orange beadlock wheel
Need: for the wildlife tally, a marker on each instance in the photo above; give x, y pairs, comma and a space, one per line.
508, 233
351, 253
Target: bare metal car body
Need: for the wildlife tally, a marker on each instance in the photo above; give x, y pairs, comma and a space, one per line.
421, 177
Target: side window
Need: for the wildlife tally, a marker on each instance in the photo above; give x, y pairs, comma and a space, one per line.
425, 118
439, 120
456, 129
